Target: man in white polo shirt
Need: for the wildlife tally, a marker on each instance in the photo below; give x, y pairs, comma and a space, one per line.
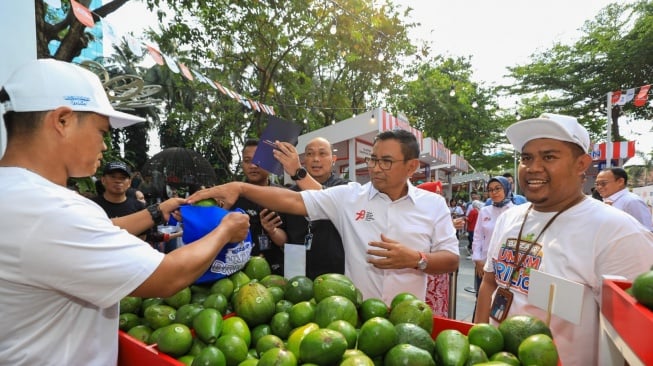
393, 233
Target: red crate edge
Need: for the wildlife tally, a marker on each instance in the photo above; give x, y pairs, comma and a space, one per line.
632, 320
132, 352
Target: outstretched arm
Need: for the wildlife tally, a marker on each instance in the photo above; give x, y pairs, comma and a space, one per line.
273, 198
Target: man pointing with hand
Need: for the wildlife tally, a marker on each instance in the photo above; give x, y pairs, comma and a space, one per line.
393, 233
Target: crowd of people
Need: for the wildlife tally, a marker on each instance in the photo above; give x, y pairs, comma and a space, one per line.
66, 261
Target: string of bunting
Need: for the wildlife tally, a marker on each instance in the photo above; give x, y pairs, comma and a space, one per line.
85, 16
620, 98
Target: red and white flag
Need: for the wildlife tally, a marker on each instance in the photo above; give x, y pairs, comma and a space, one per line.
642, 96
625, 98
616, 95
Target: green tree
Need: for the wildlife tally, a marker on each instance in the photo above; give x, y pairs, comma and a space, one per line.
466, 122
281, 54
612, 54
72, 35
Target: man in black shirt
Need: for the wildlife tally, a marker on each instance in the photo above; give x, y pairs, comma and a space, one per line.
266, 227
324, 250
116, 180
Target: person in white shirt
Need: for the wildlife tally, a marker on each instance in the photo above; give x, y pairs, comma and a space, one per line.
64, 265
612, 185
394, 233
560, 232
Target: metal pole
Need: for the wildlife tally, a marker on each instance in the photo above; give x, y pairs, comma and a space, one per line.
514, 176
453, 286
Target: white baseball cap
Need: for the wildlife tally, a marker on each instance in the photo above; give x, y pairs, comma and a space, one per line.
550, 126
47, 84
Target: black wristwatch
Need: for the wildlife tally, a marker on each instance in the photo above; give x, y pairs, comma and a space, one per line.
299, 174
157, 215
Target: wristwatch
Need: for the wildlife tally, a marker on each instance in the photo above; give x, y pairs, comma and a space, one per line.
299, 174
422, 263
157, 215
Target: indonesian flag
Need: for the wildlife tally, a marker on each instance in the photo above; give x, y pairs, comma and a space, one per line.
642, 96
82, 14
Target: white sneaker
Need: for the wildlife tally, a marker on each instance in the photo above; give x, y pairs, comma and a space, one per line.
468, 257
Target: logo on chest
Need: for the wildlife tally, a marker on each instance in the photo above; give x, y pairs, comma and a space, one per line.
363, 215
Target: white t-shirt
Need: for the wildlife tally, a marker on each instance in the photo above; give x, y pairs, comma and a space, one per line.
63, 269
584, 243
420, 220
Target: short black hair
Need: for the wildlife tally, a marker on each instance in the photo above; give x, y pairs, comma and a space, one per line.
507, 175
250, 142
408, 141
618, 173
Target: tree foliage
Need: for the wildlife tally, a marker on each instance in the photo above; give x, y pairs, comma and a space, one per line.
613, 53
278, 53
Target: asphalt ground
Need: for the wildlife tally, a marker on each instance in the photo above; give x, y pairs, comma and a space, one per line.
465, 300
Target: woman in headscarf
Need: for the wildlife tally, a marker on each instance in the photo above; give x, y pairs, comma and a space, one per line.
499, 190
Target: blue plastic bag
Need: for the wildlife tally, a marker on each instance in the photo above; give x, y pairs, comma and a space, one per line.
199, 221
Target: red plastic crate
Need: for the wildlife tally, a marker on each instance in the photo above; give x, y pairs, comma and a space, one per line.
440, 324
632, 320
132, 352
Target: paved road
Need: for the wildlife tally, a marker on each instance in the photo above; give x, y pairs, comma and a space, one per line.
464, 300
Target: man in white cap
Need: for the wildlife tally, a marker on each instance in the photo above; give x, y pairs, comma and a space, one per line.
64, 266
560, 232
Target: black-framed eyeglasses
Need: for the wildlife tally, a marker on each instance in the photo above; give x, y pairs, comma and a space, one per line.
495, 190
384, 163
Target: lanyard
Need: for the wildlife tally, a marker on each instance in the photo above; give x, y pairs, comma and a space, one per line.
520, 261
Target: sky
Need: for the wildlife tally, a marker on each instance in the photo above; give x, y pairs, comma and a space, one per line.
501, 33
495, 33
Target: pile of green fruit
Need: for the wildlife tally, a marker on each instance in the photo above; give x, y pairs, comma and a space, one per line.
257, 318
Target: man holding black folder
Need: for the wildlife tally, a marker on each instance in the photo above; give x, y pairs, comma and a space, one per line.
394, 234
266, 226
324, 250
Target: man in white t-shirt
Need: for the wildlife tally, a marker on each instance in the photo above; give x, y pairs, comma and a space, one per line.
563, 233
393, 233
64, 266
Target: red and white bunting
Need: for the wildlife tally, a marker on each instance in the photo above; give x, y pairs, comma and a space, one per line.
156, 55
620, 150
618, 97
390, 122
185, 71
82, 14
642, 96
